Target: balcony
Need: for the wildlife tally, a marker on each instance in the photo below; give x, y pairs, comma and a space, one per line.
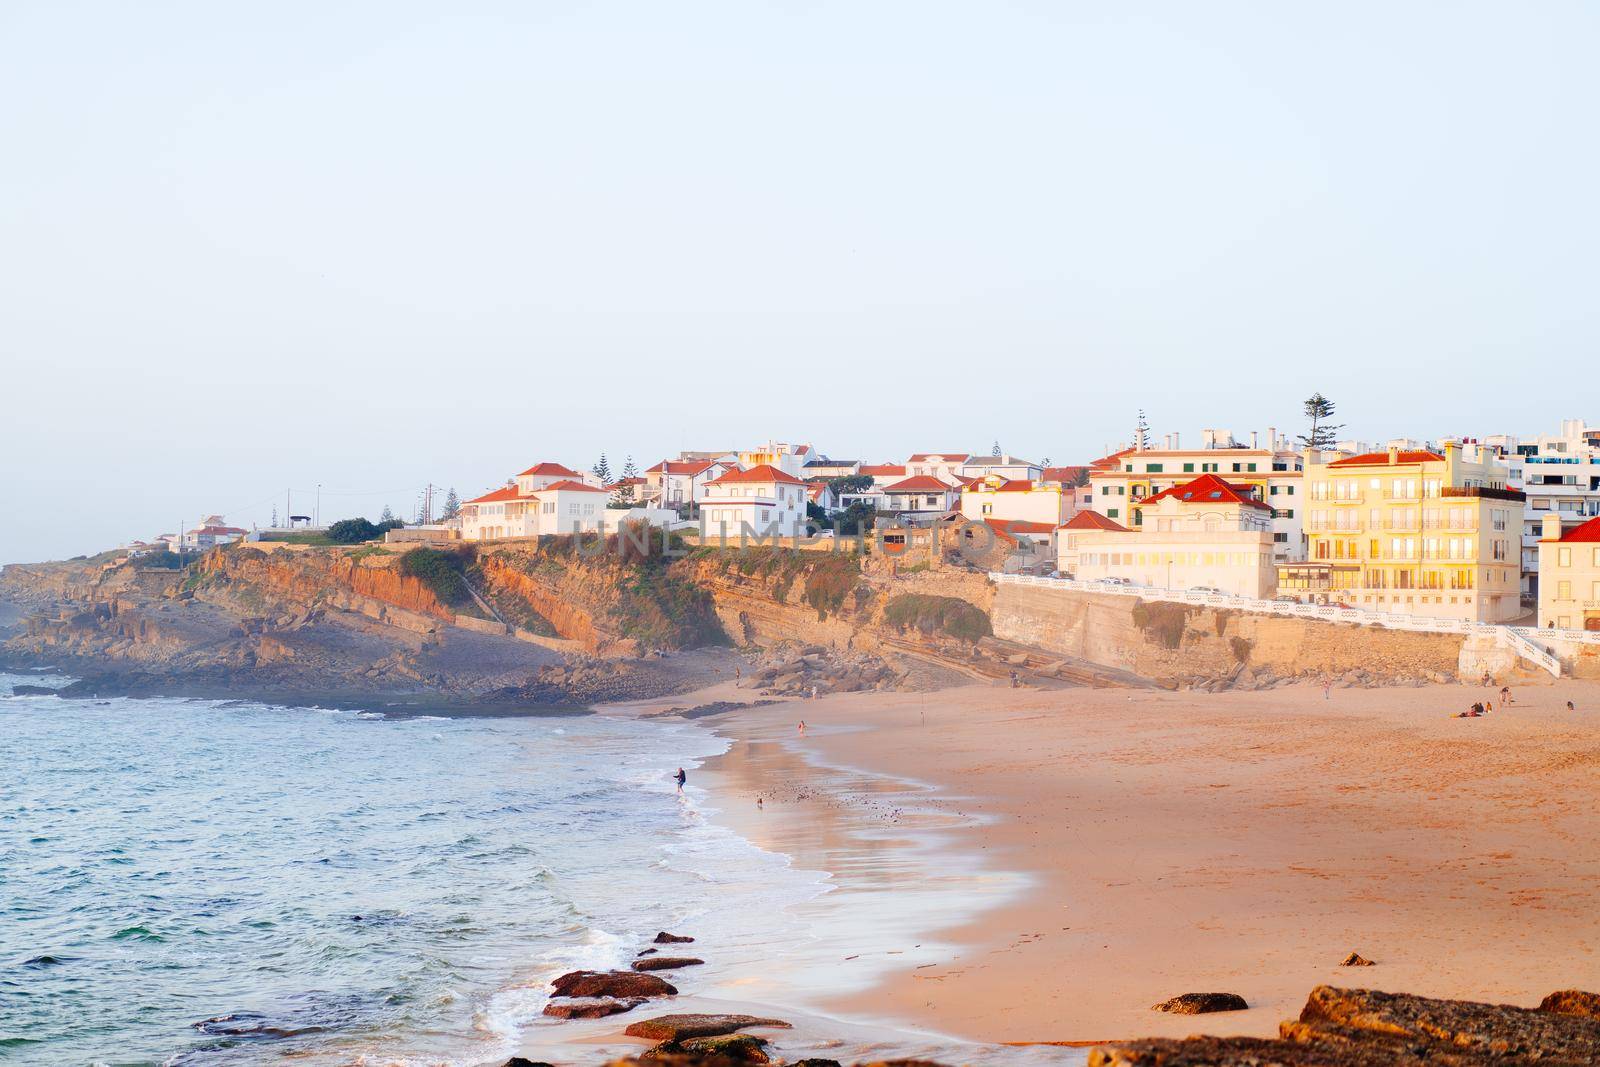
1483, 492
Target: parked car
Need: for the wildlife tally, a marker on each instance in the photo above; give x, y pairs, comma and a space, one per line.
1206, 589
1115, 581
1285, 598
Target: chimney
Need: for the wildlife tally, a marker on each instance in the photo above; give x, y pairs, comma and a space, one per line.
1253, 442
1394, 454
1272, 438
1175, 445
1551, 530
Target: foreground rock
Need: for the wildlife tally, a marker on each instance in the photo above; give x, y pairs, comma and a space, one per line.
1202, 1003
1355, 959
1350, 1027
621, 985
732, 1048
664, 938
590, 1007
690, 1025
1572, 1002
664, 963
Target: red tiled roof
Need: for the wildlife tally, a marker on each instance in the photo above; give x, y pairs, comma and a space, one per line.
1381, 459
764, 472
219, 530
550, 470
918, 483
955, 457
883, 470
623, 483
505, 492
1061, 474
1009, 528
567, 485
1109, 463
1208, 489
1093, 520
1589, 531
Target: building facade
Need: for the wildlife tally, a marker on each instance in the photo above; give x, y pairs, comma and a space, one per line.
1559, 474
1416, 532
1569, 575
1120, 481
1008, 499
756, 500
1206, 533
552, 506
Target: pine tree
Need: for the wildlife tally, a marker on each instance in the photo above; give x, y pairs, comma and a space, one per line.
628, 469
1141, 432
387, 516
274, 517
995, 451
452, 504
1319, 409
602, 470
1045, 462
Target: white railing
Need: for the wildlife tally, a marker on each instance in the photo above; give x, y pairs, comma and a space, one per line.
1523, 640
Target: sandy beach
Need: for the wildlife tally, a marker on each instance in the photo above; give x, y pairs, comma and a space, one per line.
1123, 847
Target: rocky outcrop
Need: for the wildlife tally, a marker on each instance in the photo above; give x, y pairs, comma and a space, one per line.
1572, 1002
1349, 1027
590, 1007
664, 938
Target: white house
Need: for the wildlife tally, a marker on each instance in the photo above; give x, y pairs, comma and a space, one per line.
790, 459
211, 532
920, 495
757, 500
822, 467
555, 506
945, 466
678, 482
1003, 466
1009, 499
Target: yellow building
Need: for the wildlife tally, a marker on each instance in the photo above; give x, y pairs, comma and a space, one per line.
1569, 575
1411, 532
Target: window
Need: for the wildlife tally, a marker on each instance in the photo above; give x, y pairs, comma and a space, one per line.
1188, 468
1154, 468
1563, 590
1111, 513
1251, 467
1564, 557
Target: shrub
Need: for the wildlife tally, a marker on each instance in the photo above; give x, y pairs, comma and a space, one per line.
1162, 621
947, 615
352, 531
830, 580
1241, 649
440, 571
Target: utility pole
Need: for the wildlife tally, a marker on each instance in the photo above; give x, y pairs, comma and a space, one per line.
316, 512
427, 505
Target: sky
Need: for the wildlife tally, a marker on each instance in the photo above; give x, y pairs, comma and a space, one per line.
255, 249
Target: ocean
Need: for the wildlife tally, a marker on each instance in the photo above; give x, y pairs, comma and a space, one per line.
195, 882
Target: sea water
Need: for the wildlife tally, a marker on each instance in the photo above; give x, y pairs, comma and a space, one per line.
199, 882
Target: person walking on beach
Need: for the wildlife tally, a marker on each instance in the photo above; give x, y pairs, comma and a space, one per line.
1327, 690
680, 778
801, 728
1505, 694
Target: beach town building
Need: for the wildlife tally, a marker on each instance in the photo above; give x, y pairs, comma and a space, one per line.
1418, 532
1120, 481
790, 459
628, 490
823, 467
1206, 533
1559, 474
883, 474
1012, 499
676, 483
1569, 574
211, 532
1074, 481
1001, 466
1008, 546
945, 466
756, 500
920, 496
534, 505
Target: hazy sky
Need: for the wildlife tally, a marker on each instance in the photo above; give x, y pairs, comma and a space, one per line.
251, 247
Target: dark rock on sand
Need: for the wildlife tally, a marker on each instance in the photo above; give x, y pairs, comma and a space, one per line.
665, 963
1572, 1002
815, 1063
590, 1007
620, 984
34, 691
1201, 1003
682, 1027
664, 938
647, 952
519, 1061
1355, 959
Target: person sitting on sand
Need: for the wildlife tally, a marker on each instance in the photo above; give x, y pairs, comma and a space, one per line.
680, 778
1570, 707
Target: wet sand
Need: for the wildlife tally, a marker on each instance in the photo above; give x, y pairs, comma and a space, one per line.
1177, 842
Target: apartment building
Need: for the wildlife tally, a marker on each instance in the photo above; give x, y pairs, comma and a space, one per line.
1560, 475
1416, 532
1569, 569
1119, 482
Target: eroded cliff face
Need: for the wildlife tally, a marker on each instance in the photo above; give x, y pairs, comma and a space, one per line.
287, 583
